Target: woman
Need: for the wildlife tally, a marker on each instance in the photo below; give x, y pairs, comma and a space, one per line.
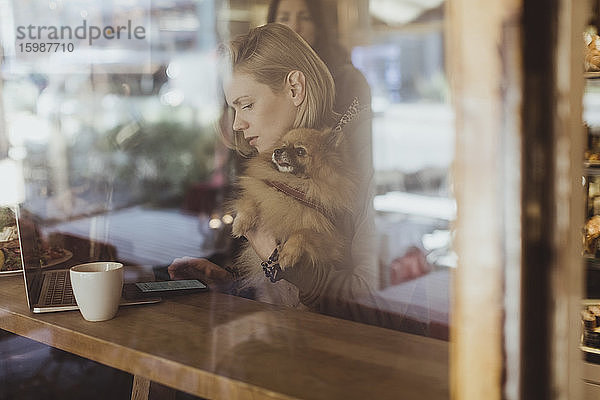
308, 19
277, 82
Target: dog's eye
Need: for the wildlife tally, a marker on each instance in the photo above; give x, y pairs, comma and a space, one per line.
300, 151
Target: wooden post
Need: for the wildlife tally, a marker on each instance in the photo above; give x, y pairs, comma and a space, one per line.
145, 389
568, 269
485, 72
140, 388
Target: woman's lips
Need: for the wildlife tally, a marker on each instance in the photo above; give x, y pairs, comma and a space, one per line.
252, 140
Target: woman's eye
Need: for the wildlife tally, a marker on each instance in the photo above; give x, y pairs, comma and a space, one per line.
247, 106
300, 151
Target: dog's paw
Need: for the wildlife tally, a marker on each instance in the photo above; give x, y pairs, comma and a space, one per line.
290, 254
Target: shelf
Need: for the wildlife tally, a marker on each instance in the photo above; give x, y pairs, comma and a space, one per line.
592, 262
591, 169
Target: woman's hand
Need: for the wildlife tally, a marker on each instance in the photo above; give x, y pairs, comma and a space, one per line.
262, 242
214, 276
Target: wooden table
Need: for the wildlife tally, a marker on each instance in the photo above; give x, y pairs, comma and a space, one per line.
225, 347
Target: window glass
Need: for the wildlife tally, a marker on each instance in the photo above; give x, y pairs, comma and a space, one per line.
112, 133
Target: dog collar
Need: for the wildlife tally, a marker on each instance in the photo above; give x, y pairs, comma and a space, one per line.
298, 195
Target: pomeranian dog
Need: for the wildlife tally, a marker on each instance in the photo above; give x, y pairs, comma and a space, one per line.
301, 193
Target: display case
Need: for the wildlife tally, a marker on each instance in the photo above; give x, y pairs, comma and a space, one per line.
590, 340
591, 182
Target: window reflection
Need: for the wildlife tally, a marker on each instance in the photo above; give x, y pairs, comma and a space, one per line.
102, 145
123, 151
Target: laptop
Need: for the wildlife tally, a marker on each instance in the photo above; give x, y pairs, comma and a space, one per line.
50, 290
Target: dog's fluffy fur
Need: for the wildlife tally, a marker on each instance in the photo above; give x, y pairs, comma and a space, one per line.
313, 162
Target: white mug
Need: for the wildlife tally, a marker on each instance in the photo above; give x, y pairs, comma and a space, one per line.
97, 288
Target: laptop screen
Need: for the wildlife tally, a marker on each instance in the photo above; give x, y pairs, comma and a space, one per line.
31, 255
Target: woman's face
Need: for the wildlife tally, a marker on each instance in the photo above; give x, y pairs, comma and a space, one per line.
295, 14
261, 114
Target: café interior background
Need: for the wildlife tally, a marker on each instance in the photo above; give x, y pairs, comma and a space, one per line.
119, 144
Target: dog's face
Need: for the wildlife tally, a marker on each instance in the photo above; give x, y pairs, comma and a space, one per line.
299, 150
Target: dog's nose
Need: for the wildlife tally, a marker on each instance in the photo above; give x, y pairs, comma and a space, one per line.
277, 152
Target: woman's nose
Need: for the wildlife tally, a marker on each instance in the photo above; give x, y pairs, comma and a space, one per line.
239, 124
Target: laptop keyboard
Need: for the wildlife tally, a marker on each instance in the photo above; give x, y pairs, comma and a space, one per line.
59, 288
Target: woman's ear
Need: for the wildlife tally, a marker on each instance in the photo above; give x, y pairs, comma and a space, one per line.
296, 84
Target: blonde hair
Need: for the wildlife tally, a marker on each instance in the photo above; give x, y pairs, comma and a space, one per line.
269, 53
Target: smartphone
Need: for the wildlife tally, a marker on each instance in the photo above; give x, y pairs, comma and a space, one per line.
163, 288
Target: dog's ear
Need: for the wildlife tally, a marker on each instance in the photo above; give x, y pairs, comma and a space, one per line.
334, 138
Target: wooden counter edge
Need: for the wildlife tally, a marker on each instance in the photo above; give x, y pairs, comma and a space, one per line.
142, 365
